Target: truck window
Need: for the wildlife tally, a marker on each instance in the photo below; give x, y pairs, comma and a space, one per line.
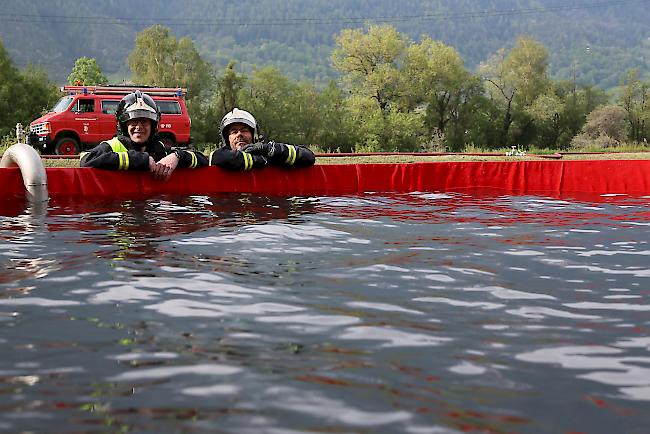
109, 107
169, 107
84, 106
62, 105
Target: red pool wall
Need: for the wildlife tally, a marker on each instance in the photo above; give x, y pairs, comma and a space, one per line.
521, 177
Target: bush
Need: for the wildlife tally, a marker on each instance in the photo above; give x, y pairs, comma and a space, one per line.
8, 140
606, 123
367, 147
437, 143
584, 142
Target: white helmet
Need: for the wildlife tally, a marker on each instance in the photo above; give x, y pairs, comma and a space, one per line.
237, 116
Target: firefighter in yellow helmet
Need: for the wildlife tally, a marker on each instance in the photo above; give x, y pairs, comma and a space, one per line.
137, 145
242, 148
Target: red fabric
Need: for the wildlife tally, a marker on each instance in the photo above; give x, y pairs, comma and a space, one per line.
11, 182
558, 178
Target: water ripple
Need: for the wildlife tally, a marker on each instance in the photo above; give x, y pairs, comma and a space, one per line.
37, 301
546, 312
392, 337
382, 307
431, 312
190, 308
172, 371
331, 410
609, 306
608, 365
460, 303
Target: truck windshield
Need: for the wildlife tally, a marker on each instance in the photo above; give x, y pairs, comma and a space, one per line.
62, 105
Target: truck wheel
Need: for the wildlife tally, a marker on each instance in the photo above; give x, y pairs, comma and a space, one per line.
66, 146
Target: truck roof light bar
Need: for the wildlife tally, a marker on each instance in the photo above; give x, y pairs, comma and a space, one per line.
123, 90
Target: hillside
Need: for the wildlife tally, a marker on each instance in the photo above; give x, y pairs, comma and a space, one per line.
593, 39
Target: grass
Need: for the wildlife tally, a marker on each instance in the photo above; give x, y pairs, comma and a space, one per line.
387, 159
61, 162
384, 159
623, 152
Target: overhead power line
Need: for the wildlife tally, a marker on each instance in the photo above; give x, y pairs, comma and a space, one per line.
223, 22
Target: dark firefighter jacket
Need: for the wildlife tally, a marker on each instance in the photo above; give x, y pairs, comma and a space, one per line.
120, 153
283, 155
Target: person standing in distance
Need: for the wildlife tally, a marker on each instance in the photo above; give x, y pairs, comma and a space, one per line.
242, 148
137, 145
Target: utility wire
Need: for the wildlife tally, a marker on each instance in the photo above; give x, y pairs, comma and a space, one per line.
69, 19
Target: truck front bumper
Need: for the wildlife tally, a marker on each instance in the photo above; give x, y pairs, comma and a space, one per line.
38, 142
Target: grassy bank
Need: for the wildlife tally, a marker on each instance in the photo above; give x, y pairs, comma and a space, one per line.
407, 158
469, 157
472, 153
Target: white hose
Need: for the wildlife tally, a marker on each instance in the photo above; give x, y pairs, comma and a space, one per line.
31, 168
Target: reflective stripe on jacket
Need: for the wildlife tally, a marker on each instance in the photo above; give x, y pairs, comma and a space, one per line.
121, 151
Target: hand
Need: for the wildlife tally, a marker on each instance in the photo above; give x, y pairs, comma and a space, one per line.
163, 169
264, 149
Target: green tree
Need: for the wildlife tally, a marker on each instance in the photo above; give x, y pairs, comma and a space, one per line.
8, 93
502, 89
306, 107
635, 100
514, 81
481, 128
544, 113
228, 86
371, 63
38, 92
223, 99
576, 104
269, 96
384, 130
159, 59
298, 113
436, 77
86, 72
337, 129
467, 103
527, 64
23, 95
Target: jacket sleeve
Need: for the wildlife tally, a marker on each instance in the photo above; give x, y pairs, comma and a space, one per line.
236, 160
291, 156
191, 159
102, 156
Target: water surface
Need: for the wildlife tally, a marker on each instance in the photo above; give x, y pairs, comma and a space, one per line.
416, 313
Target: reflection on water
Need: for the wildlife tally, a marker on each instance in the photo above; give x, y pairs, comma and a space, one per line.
415, 313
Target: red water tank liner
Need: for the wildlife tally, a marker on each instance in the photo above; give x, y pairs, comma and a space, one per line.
551, 177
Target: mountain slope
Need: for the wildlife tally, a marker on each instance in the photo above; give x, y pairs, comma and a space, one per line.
594, 39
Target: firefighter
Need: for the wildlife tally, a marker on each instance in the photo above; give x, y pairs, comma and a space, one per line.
243, 149
137, 145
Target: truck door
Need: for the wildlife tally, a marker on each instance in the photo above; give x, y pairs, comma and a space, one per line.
107, 121
173, 127
85, 118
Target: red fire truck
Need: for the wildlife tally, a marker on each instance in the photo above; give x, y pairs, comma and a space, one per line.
85, 116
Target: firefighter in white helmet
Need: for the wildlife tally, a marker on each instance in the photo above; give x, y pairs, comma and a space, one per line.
243, 149
137, 145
